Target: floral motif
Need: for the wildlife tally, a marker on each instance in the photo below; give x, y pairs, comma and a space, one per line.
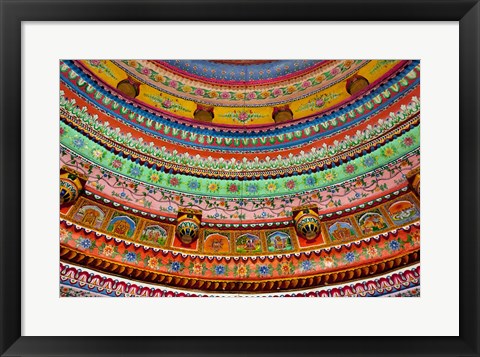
241, 270
197, 268
285, 268
414, 238
350, 168
193, 185
78, 142
175, 266
65, 235
97, 154
328, 262
329, 176
318, 102
102, 68
233, 188
306, 265
263, 270
116, 164
130, 257
213, 187
276, 92
330, 74
271, 187
238, 165
152, 263
334, 71
85, 243
242, 116
155, 177
219, 269
345, 192
349, 257
394, 245
387, 286
369, 161
166, 103
408, 141
388, 151
385, 247
135, 171
310, 180
371, 251
290, 184
108, 250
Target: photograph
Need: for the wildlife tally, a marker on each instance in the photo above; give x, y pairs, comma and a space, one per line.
239, 178
243, 177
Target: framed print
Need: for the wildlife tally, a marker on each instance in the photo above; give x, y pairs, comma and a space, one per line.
174, 186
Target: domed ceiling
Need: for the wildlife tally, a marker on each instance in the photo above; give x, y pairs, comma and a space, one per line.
263, 177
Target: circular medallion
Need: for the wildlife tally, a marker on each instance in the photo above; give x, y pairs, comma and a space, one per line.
308, 226
187, 230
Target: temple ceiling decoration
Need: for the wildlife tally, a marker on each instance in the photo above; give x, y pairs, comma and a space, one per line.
240, 176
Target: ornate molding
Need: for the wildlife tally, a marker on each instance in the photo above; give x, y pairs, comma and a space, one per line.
69, 255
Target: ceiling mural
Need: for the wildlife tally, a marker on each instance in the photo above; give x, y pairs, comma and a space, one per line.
239, 177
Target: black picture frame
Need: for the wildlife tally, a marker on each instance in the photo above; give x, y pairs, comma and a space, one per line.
13, 12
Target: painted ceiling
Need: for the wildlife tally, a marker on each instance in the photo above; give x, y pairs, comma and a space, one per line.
267, 177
